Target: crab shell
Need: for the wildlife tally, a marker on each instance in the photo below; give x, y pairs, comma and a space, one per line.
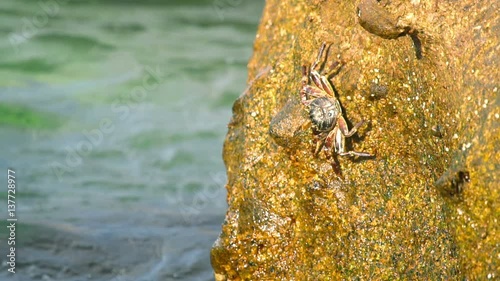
324, 113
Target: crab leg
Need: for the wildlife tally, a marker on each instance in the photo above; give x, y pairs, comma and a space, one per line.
318, 58
345, 130
310, 91
341, 133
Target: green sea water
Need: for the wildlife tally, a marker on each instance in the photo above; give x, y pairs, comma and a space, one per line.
113, 115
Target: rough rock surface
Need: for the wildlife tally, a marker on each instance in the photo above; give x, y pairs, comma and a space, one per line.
426, 75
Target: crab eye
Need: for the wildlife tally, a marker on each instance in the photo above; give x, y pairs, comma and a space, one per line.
330, 114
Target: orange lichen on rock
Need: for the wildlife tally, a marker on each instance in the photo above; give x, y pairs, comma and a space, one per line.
426, 208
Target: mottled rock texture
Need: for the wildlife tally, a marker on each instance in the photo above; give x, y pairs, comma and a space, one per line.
426, 76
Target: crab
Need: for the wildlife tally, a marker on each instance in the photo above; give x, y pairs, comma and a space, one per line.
329, 126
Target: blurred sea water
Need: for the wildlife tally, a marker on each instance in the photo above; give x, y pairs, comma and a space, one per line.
113, 115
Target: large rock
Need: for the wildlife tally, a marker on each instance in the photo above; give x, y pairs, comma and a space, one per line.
426, 76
